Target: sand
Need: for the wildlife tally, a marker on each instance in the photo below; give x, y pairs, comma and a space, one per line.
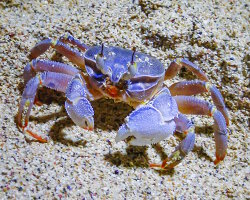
77, 164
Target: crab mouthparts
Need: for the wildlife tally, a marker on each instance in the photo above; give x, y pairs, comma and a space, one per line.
112, 91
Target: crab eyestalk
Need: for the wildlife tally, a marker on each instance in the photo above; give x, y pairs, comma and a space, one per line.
133, 64
101, 64
132, 67
101, 54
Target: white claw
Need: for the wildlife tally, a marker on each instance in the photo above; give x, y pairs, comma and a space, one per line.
147, 125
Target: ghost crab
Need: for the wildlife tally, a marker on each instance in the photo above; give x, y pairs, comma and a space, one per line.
131, 77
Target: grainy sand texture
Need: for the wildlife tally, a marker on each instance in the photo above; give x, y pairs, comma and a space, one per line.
79, 164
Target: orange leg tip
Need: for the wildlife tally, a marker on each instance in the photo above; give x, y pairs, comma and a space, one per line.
34, 135
153, 165
37, 102
216, 162
88, 128
163, 165
25, 124
219, 159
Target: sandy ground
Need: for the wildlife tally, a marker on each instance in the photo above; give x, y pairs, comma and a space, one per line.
76, 164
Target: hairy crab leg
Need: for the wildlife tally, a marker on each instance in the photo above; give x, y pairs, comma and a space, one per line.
185, 126
194, 106
176, 65
40, 48
37, 65
51, 80
68, 38
196, 87
73, 55
77, 104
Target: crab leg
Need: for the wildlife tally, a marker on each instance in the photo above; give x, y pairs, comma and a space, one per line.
176, 65
40, 48
67, 38
196, 87
194, 106
77, 105
37, 65
73, 55
185, 126
52, 80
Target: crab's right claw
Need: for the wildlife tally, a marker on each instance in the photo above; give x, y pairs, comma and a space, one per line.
77, 105
147, 125
150, 123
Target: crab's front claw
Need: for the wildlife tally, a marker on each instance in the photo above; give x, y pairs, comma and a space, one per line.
81, 112
146, 125
77, 105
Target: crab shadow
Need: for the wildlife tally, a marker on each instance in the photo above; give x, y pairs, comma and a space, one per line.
137, 156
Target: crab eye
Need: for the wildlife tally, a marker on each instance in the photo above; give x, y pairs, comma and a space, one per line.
86, 123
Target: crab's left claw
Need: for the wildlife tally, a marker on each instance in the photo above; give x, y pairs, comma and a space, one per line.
146, 124
77, 105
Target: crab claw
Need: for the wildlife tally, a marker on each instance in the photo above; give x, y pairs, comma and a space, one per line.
77, 105
151, 123
81, 112
146, 125
29, 73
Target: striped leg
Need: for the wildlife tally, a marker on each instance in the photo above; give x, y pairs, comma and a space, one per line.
176, 65
37, 65
194, 87
73, 55
51, 80
77, 104
185, 126
67, 38
194, 106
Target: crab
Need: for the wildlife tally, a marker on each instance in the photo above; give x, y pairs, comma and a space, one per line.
128, 76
